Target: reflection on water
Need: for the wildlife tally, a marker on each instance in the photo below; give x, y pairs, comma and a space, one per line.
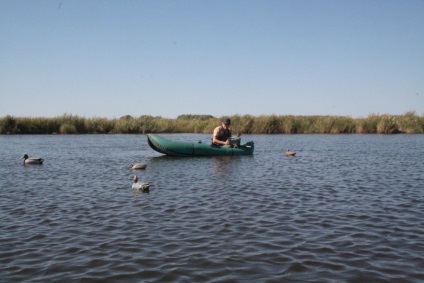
347, 208
222, 166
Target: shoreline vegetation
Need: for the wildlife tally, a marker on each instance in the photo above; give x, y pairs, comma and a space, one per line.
407, 123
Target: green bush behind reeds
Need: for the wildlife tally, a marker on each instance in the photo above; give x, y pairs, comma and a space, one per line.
409, 123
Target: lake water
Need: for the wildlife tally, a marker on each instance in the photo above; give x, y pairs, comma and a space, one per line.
346, 208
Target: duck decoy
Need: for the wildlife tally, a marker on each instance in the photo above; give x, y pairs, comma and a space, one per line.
32, 160
138, 166
290, 153
142, 186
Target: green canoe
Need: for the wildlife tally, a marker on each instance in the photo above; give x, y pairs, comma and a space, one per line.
181, 148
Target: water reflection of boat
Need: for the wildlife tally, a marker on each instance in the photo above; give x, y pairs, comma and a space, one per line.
183, 148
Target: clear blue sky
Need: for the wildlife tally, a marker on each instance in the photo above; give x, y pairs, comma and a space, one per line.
218, 57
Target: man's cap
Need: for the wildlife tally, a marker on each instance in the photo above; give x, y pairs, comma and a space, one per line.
226, 121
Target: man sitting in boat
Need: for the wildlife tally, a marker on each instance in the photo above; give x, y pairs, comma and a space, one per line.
221, 134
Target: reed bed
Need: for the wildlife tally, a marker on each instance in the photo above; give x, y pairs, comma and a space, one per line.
409, 123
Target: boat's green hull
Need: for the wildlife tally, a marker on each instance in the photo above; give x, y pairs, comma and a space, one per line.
180, 148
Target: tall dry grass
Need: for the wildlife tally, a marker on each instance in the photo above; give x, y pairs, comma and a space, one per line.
409, 123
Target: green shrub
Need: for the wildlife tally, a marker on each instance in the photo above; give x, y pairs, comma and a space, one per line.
8, 125
410, 123
67, 129
387, 125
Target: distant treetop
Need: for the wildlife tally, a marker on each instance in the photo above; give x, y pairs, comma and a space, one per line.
195, 117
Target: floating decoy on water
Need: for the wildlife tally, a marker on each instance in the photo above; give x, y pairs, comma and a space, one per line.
138, 166
32, 160
142, 187
290, 153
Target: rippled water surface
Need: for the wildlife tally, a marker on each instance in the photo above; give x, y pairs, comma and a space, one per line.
346, 208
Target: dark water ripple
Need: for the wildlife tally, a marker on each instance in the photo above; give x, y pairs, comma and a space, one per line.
345, 209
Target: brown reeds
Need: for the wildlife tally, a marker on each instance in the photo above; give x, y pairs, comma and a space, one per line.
409, 123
